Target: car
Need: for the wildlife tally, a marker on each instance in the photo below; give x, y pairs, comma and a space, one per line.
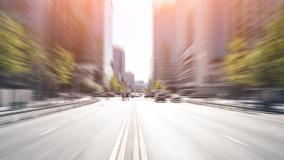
175, 99
149, 95
168, 95
160, 97
201, 95
135, 95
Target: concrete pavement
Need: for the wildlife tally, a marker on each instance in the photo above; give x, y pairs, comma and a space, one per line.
142, 129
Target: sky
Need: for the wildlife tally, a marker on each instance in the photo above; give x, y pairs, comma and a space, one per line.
132, 30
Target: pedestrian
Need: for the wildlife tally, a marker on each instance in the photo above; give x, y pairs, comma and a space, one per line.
127, 96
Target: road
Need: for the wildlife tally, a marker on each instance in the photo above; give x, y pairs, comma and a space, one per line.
142, 129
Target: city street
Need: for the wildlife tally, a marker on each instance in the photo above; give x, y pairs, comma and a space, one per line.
142, 129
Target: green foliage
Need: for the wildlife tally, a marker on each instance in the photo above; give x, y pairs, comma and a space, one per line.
237, 45
90, 86
38, 60
23, 60
157, 85
62, 66
262, 66
115, 85
13, 45
239, 64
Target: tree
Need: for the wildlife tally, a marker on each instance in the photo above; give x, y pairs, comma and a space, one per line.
271, 54
115, 85
89, 86
262, 66
27, 63
62, 66
12, 46
157, 85
239, 64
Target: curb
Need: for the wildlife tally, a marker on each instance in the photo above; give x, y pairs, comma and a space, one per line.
36, 112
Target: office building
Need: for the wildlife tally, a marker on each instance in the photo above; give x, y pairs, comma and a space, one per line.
164, 44
139, 86
130, 80
119, 63
98, 51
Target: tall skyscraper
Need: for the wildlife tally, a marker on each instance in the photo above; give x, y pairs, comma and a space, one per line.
119, 63
185, 66
210, 42
100, 40
164, 44
130, 80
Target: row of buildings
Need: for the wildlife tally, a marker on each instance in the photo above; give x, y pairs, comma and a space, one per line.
83, 27
191, 38
126, 78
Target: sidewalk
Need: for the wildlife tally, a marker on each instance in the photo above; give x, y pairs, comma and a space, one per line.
37, 104
237, 104
12, 116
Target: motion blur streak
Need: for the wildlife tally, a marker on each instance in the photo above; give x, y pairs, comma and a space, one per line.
213, 88
170, 131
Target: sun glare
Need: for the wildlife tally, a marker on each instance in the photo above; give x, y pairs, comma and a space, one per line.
165, 2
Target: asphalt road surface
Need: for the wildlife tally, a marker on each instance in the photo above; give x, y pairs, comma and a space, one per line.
141, 129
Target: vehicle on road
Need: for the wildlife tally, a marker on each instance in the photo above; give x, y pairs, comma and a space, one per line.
160, 97
201, 95
149, 95
175, 99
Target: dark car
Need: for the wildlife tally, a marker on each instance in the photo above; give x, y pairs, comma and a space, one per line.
160, 97
201, 95
168, 95
149, 95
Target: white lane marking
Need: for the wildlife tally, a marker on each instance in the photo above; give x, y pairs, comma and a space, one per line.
47, 131
121, 155
119, 139
233, 139
136, 151
143, 151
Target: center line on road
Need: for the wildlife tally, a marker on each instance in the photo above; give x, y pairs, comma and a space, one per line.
119, 139
47, 131
233, 139
122, 150
136, 149
143, 151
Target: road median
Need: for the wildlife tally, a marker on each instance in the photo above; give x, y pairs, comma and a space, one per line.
239, 105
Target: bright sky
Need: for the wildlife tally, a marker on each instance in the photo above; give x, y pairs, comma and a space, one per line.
132, 30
